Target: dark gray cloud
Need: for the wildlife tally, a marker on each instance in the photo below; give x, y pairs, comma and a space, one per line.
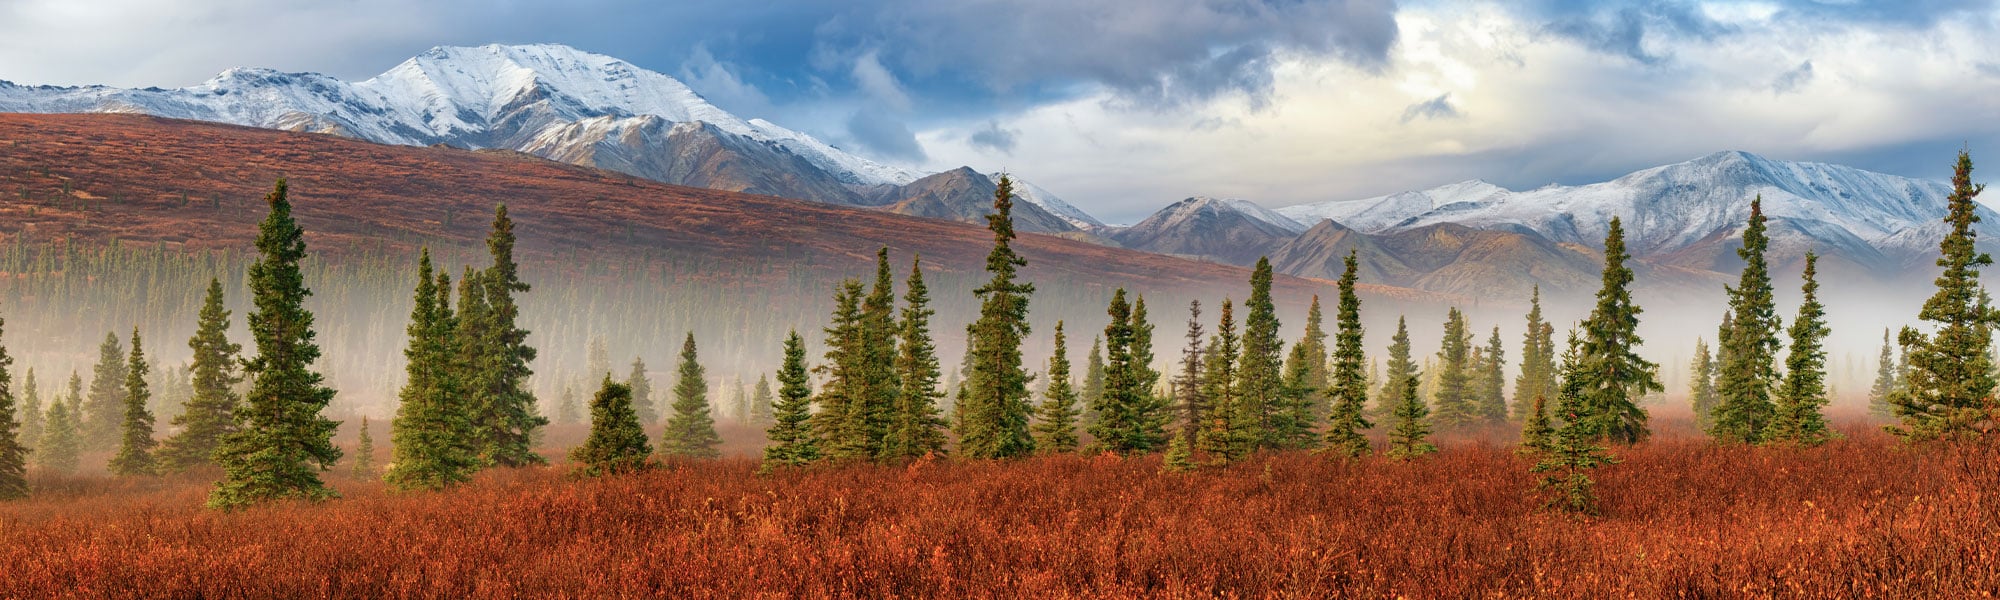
884, 135
1646, 31
1434, 109
996, 138
1790, 81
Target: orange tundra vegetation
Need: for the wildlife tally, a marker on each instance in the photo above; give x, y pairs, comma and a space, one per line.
1865, 516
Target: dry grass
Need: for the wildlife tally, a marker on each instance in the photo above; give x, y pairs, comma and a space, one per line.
1861, 517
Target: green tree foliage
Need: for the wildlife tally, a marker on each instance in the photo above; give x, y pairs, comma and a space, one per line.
761, 402
1093, 381
1750, 347
793, 441
104, 409
1410, 436
1887, 380
1228, 430
209, 416
1260, 374
1948, 393
1490, 382
617, 443
76, 403
568, 411
995, 397
1611, 376
876, 399
13, 451
1130, 418
1535, 429
1538, 365
1055, 423
1701, 387
1348, 386
504, 417
435, 445
915, 426
642, 392
58, 449
1306, 382
284, 442
690, 432
1188, 392
135, 445
1573, 451
1400, 371
1453, 398
842, 423
1802, 397
364, 453
30, 408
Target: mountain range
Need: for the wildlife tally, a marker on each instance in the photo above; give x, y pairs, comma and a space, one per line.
1682, 220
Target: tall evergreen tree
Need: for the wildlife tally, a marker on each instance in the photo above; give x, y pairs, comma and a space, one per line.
1538, 353
135, 446
1490, 382
793, 441
1536, 430
1227, 433
1129, 415
1802, 396
1400, 370
435, 445
877, 400
210, 413
1616, 376
1055, 426
505, 419
841, 423
75, 399
617, 443
1348, 386
364, 453
1701, 388
13, 451
1886, 380
1453, 400
1093, 381
284, 442
1751, 347
1261, 380
1949, 389
691, 431
1573, 451
995, 397
104, 410
761, 402
30, 408
915, 426
568, 411
60, 443
641, 388
1306, 382
1188, 391
1409, 438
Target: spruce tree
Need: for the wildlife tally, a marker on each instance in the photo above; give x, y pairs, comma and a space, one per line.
364, 453
841, 423
1453, 399
1751, 346
568, 412
690, 432
1573, 451
1129, 415
58, 449
104, 410
1409, 438
915, 426
505, 419
880, 385
1348, 386
210, 413
1055, 424
1617, 376
284, 442
75, 397
135, 447
792, 440
995, 397
30, 408
1188, 391
617, 443
1948, 392
1878, 396
13, 451
761, 401
1306, 382
1226, 434
1538, 352
1535, 429
1400, 371
1802, 396
435, 445
1260, 383
1093, 381
1490, 384
1701, 388
641, 388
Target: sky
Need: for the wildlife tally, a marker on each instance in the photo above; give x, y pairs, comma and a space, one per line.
1124, 106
